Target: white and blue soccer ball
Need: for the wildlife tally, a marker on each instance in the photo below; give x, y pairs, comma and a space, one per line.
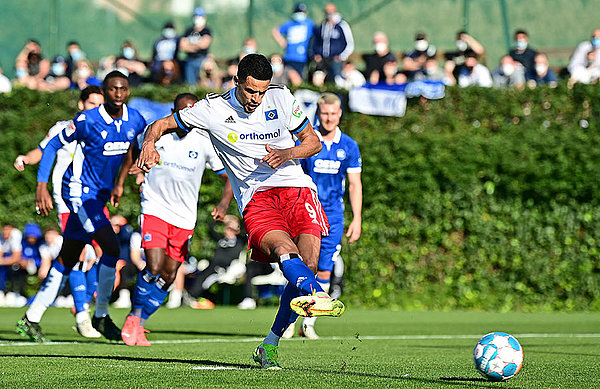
498, 356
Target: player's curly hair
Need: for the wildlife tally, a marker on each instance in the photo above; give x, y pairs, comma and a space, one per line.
256, 66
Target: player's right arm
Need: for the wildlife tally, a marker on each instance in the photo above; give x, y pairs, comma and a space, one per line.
32, 157
149, 157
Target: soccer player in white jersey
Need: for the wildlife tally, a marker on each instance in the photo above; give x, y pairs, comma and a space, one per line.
169, 211
252, 128
90, 97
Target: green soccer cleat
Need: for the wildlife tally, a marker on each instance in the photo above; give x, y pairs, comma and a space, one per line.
266, 356
106, 327
318, 304
30, 330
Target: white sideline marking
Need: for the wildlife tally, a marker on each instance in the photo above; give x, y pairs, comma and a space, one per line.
360, 337
216, 368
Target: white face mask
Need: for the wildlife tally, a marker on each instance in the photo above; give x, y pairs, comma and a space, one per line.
77, 55
58, 69
541, 69
199, 21
381, 47
521, 44
508, 69
461, 45
299, 16
277, 67
421, 45
430, 70
84, 73
128, 52
334, 17
169, 33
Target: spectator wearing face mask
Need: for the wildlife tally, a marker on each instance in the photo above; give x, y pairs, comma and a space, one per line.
56, 79
579, 59
283, 74
195, 43
509, 73
84, 76
374, 61
589, 71
332, 42
165, 48
31, 66
542, 74
522, 52
294, 36
464, 42
350, 77
414, 60
433, 72
129, 63
474, 73
74, 55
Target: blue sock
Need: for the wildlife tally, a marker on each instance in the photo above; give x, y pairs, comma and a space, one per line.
298, 274
285, 315
143, 286
91, 278
157, 296
78, 289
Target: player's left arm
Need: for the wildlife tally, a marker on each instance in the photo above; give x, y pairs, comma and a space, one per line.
117, 191
220, 209
309, 145
355, 194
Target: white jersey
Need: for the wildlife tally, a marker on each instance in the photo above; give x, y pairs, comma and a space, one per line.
64, 157
240, 138
12, 244
170, 191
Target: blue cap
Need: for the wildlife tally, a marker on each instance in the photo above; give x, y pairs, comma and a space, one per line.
300, 7
32, 229
199, 11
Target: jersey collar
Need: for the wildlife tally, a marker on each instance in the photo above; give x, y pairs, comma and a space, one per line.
108, 119
233, 101
336, 137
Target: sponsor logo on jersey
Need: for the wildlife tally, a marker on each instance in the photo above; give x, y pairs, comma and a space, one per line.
271, 115
233, 137
327, 166
115, 148
230, 120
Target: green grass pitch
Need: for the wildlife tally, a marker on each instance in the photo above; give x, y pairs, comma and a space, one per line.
362, 349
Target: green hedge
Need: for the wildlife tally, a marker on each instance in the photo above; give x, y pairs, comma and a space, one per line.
485, 199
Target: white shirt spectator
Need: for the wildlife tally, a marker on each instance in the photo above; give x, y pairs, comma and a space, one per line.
480, 76
5, 85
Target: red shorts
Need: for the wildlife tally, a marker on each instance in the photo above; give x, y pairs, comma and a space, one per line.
158, 233
292, 210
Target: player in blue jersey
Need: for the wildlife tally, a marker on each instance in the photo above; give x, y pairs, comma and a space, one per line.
338, 159
103, 137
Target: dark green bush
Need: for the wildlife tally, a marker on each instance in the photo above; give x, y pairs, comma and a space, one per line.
485, 199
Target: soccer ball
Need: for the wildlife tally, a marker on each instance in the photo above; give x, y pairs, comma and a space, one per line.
498, 356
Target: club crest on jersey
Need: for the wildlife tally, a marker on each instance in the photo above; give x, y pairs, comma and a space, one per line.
271, 115
130, 134
341, 154
193, 154
147, 237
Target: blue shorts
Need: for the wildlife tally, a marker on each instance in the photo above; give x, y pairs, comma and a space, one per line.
331, 244
84, 220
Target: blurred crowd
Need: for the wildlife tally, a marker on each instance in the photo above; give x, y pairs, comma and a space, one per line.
311, 52
26, 257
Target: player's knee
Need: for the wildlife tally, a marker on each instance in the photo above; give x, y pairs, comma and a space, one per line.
169, 277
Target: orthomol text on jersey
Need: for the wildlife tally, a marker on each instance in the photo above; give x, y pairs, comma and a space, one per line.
233, 137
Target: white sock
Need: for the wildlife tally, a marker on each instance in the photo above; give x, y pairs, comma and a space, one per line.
175, 297
82, 316
106, 284
272, 339
46, 296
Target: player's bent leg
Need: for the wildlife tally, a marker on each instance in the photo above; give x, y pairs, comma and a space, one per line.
307, 329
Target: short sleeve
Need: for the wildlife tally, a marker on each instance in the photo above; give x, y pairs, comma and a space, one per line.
354, 159
52, 132
15, 241
296, 119
213, 161
135, 242
283, 29
196, 116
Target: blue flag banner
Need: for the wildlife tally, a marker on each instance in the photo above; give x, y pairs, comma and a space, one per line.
429, 89
150, 110
387, 100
